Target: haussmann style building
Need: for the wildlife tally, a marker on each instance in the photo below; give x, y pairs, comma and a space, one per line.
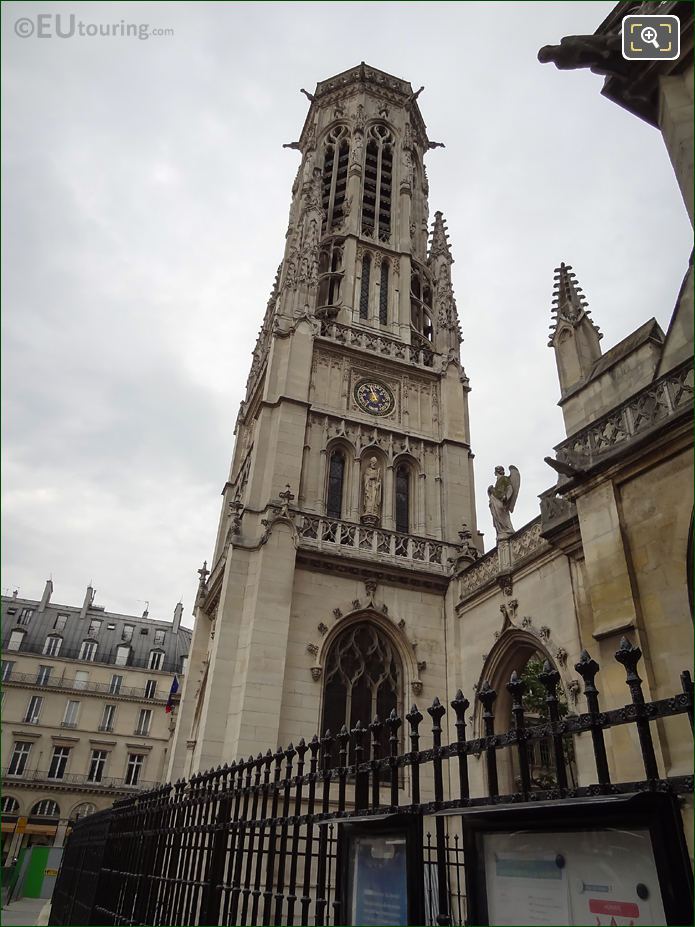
84, 718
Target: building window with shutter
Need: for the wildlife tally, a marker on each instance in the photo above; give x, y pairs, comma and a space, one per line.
15, 641
144, 721
97, 764
59, 762
52, 645
18, 760
33, 712
70, 717
88, 650
135, 763
156, 660
107, 718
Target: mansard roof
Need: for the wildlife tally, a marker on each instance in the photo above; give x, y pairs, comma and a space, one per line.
176, 642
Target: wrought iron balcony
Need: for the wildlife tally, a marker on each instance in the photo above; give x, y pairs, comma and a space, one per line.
103, 657
80, 780
318, 531
79, 685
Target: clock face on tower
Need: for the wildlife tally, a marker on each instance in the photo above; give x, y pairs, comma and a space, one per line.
374, 397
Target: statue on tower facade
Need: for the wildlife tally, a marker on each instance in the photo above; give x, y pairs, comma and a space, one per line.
502, 498
371, 506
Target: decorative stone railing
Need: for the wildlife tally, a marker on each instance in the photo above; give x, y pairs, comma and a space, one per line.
479, 574
319, 532
664, 399
526, 541
376, 343
500, 562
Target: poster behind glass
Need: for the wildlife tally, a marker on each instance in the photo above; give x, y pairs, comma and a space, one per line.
378, 880
598, 877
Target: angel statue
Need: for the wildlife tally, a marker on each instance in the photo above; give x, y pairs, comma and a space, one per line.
502, 498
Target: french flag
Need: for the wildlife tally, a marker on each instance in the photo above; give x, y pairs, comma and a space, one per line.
172, 692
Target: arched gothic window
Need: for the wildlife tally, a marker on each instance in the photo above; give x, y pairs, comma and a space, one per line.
403, 499
330, 272
336, 478
384, 294
364, 287
376, 197
363, 679
335, 168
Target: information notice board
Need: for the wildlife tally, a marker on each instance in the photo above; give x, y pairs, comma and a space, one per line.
379, 880
591, 877
618, 860
379, 877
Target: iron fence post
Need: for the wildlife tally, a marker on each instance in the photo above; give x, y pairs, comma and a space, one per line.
460, 704
437, 711
516, 688
487, 696
587, 669
549, 679
414, 717
629, 656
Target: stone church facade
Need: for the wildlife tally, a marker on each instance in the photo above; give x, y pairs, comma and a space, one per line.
348, 577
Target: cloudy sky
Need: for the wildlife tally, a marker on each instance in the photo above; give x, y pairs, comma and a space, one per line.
145, 203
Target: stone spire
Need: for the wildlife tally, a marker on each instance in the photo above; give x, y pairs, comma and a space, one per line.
448, 332
573, 335
440, 239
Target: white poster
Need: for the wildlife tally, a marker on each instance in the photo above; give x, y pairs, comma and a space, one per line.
598, 877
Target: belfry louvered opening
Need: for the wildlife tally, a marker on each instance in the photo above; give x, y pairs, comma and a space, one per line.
364, 287
376, 196
421, 306
330, 272
335, 168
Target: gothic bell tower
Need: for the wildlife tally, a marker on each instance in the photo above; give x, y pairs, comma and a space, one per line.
352, 471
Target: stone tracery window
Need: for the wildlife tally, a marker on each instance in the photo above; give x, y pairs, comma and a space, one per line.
334, 184
376, 195
363, 678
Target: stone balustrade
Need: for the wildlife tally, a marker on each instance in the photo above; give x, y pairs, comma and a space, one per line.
664, 399
322, 533
376, 343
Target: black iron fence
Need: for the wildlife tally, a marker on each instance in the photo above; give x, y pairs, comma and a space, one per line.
256, 841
